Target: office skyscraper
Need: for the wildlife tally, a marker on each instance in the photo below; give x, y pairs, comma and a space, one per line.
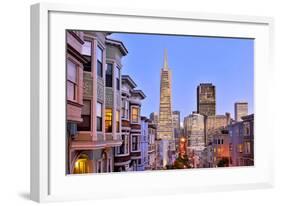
206, 99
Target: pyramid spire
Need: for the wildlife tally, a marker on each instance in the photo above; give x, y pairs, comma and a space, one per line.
165, 66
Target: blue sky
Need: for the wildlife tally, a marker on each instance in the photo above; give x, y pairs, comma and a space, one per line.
226, 62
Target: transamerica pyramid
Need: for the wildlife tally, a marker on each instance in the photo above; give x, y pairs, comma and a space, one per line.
165, 124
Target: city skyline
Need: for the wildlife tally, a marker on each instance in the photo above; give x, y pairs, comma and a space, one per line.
105, 129
193, 60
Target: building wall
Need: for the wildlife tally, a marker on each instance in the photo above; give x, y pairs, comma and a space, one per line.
144, 144
152, 145
236, 143
248, 140
215, 124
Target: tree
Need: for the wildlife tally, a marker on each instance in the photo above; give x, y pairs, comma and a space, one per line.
181, 162
224, 162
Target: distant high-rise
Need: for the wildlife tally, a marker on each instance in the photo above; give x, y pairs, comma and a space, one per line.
165, 122
206, 99
154, 117
194, 125
240, 110
176, 123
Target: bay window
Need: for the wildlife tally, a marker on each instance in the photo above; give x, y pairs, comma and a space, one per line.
99, 116
108, 120
135, 142
85, 125
124, 147
108, 75
135, 115
87, 53
117, 76
125, 108
99, 61
117, 121
71, 80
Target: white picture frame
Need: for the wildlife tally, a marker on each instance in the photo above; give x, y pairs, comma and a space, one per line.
48, 23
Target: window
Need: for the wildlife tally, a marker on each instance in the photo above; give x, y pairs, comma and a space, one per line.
246, 128
87, 48
240, 148
85, 125
124, 147
71, 81
108, 75
135, 142
99, 61
87, 53
135, 114
108, 120
247, 147
125, 108
99, 116
221, 141
117, 76
117, 121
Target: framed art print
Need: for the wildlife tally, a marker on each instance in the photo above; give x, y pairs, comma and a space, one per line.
148, 102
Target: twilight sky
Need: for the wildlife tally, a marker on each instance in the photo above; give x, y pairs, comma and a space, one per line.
227, 63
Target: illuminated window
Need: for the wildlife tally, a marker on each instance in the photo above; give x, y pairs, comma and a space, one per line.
99, 61
108, 120
117, 121
99, 116
135, 115
85, 125
71, 80
240, 148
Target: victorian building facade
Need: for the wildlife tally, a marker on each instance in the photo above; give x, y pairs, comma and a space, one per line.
95, 85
